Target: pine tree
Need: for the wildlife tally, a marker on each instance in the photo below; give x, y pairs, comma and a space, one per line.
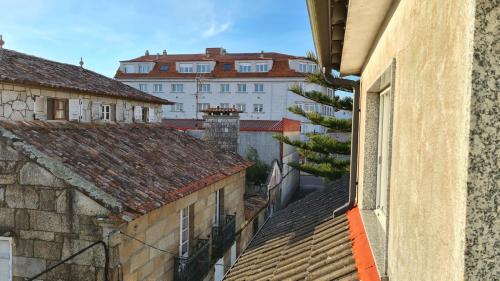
322, 152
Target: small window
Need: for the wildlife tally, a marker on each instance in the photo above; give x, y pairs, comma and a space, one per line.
224, 88
178, 107
261, 67
258, 108
204, 88
184, 232
245, 68
145, 114
224, 105
164, 67
227, 67
242, 88
143, 87
177, 88
203, 68
241, 107
219, 207
106, 112
258, 87
185, 68
203, 106
57, 109
158, 88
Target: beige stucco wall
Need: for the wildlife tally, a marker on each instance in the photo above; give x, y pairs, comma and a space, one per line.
17, 103
431, 42
160, 228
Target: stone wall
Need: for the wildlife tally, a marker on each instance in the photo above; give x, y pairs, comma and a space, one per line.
48, 221
160, 228
17, 103
222, 131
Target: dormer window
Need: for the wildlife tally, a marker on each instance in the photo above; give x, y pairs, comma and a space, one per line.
307, 67
203, 68
164, 67
245, 67
261, 67
186, 68
227, 67
143, 68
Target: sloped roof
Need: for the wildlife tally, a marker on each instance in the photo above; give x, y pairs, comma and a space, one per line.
21, 68
280, 66
302, 242
140, 166
284, 125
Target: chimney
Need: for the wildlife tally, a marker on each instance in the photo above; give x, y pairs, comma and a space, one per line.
157, 56
262, 54
164, 52
212, 52
222, 127
1, 41
146, 53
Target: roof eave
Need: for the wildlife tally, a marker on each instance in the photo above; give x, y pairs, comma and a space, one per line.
318, 18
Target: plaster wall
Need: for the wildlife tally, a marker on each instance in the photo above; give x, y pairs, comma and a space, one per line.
431, 42
18, 100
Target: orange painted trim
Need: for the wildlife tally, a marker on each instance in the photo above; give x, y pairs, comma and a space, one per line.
365, 263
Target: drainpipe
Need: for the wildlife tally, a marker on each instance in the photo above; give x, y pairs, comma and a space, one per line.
354, 147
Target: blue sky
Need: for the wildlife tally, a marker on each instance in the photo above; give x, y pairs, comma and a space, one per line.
107, 31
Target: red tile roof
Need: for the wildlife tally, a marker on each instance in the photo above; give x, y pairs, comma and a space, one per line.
21, 68
280, 66
284, 125
142, 166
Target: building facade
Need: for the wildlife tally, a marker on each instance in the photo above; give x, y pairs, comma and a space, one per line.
428, 130
255, 83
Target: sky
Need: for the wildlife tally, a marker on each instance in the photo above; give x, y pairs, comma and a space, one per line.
107, 31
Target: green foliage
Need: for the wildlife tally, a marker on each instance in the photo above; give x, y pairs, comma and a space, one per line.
257, 174
320, 153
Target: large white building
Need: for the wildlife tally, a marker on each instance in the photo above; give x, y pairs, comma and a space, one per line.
255, 83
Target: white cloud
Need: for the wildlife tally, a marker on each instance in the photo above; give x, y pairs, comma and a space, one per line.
215, 29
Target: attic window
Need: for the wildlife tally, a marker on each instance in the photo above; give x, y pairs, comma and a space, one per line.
227, 67
164, 67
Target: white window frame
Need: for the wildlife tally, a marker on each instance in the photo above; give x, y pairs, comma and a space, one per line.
241, 107
244, 67
224, 105
224, 88
258, 87
303, 67
184, 227
185, 68
261, 67
381, 206
203, 68
242, 88
178, 107
203, 106
9, 241
258, 108
106, 110
158, 88
143, 87
177, 88
204, 88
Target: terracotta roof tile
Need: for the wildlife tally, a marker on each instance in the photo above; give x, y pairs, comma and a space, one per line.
21, 68
302, 242
143, 166
280, 66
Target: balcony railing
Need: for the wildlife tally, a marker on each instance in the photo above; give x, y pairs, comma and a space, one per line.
196, 266
223, 236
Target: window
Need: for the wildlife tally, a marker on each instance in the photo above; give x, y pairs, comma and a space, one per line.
258, 108
224, 105
57, 109
258, 87
184, 235
158, 88
303, 67
242, 88
164, 67
330, 93
224, 88
5, 259
125, 69
143, 68
177, 88
241, 107
204, 88
245, 68
178, 107
307, 67
185, 68
203, 67
143, 87
219, 207
203, 106
261, 67
106, 112
227, 67
383, 157
145, 114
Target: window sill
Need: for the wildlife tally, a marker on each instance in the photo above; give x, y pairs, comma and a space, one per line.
242, 92
376, 238
177, 92
259, 92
